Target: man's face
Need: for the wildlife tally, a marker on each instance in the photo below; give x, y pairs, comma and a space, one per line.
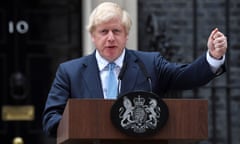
110, 39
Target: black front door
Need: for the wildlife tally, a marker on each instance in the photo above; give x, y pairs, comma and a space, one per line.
35, 36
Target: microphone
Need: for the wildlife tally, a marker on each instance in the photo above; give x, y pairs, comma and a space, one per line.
144, 70
120, 76
124, 67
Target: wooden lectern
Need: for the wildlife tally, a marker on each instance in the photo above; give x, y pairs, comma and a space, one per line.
88, 122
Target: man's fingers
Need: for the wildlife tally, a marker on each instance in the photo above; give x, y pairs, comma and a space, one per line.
213, 33
218, 35
219, 45
219, 39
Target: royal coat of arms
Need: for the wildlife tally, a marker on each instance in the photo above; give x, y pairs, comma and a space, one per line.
139, 113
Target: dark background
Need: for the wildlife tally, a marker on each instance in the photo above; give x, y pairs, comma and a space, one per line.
181, 34
37, 35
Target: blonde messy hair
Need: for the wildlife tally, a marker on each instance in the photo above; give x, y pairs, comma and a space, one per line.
107, 11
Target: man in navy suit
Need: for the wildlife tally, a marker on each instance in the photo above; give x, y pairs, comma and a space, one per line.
86, 77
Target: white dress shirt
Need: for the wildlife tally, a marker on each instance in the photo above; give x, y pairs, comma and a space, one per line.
214, 63
103, 69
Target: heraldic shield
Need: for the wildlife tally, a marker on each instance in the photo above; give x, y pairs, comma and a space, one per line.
139, 113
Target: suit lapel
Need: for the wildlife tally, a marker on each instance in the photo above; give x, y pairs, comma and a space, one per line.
92, 78
131, 73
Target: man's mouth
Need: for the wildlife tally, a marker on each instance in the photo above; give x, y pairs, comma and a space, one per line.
111, 47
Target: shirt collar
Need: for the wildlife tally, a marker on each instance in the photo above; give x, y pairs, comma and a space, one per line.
102, 63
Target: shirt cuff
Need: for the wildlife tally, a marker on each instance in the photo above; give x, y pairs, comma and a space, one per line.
215, 64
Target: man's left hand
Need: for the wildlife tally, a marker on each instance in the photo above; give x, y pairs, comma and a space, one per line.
217, 44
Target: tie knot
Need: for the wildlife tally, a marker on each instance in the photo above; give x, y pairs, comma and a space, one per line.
111, 65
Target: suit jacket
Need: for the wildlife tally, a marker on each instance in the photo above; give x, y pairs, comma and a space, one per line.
79, 78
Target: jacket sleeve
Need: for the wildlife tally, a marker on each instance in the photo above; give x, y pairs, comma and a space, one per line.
185, 76
56, 102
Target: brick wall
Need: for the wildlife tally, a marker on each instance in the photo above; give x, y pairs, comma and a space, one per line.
187, 25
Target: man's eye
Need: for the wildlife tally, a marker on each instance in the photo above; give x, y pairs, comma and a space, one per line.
116, 31
104, 31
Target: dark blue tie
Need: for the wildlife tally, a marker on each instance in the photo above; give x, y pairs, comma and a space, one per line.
112, 82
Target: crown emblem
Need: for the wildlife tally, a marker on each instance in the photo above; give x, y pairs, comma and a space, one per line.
138, 101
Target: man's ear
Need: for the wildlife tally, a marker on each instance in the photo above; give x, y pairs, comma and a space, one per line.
92, 37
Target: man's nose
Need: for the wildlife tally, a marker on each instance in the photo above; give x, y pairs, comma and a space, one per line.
110, 36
